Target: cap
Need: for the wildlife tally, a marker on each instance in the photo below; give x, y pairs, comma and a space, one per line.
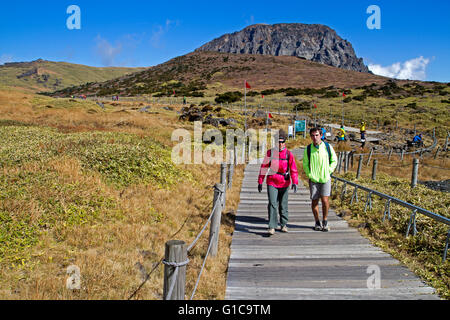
282, 136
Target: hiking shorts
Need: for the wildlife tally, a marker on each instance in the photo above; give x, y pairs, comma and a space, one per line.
318, 190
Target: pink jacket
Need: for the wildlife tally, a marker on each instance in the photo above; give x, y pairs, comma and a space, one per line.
278, 165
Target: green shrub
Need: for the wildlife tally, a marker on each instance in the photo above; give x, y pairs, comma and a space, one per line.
229, 97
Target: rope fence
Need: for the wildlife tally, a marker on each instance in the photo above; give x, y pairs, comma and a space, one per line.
411, 228
176, 260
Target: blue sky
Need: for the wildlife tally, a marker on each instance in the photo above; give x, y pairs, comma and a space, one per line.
413, 40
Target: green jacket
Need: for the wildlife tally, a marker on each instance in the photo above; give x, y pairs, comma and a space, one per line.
321, 166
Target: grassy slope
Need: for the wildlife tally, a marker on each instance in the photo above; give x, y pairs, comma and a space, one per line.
143, 216
227, 72
68, 74
97, 189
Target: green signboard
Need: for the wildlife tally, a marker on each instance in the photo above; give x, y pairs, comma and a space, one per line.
300, 126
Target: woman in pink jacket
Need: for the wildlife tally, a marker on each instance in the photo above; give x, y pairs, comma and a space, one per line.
280, 168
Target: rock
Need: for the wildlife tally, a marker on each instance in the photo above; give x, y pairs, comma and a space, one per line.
313, 42
207, 108
259, 114
145, 109
437, 185
191, 114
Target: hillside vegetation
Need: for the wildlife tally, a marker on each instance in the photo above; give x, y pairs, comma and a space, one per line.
92, 185
96, 188
41, 75
197, 73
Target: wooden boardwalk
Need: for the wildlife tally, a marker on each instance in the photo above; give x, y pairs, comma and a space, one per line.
308, 264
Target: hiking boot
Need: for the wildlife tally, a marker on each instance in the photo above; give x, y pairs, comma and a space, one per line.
318, 227
271, 232
284, 229
325, 228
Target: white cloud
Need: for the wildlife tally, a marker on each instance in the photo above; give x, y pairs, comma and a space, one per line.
107, 52
6, 58
160, 31
414, 69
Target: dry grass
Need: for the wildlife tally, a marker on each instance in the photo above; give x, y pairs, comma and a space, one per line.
430, 169
125, 239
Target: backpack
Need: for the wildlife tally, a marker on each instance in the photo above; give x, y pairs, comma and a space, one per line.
309, 154
288, 153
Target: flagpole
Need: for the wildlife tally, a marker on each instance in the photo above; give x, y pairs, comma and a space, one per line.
245, 104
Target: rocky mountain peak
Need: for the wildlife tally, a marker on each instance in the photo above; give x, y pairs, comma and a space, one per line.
312, 42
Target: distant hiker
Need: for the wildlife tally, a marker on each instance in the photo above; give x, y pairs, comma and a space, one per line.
341, 134
417, 140
184, 100
324, 134
362, 130
280, 168
319, 162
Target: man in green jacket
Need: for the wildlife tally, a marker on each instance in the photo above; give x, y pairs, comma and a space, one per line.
319, 162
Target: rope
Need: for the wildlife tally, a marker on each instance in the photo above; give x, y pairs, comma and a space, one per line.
146, 279
201, 270
162, 259
426, 165
386, 165
176, 265
207, 222
172, 285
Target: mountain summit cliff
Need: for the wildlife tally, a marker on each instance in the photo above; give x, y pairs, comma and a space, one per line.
313, 42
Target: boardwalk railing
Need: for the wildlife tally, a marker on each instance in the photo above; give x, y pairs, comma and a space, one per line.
176, 259
387, 208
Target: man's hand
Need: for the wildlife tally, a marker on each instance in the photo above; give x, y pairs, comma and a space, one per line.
260, 187
294, 187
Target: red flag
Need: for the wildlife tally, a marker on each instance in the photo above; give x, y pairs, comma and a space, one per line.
315, 105
262, 96
174, 92
343, 94
247, 85
270, 116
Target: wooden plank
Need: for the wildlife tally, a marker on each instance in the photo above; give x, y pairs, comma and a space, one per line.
307, 264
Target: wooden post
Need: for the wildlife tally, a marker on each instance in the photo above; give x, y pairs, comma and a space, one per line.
346, 158
215, 220
390, 154
415, 172
223, 181
403, 154
353, 156
230, 176
176, 253
339, 162
370, 156
437, 152
374, 169
360, 163
446, 142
